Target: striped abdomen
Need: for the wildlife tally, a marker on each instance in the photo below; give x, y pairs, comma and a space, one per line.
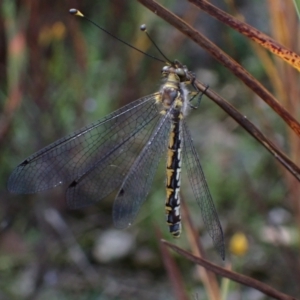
173, 178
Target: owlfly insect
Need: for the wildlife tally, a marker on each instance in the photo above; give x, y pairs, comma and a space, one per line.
122, 152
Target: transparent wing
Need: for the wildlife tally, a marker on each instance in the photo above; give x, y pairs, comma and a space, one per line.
138, 182
70, 157
201, 192
108, 173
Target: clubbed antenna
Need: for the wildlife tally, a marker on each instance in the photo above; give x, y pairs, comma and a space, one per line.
76, 12
144, 28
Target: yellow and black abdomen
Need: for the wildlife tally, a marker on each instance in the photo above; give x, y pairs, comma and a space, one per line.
174, 162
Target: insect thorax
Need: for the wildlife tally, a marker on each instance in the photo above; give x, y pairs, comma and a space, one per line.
172, 93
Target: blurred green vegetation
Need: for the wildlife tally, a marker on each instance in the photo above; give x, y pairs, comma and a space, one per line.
59, 73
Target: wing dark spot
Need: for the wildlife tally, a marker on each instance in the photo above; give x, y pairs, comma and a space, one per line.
24, 163
121, 193
73, 184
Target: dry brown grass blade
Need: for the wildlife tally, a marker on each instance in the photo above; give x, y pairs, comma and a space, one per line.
245, 280
252, 129
254, 34
226, 60
172, 269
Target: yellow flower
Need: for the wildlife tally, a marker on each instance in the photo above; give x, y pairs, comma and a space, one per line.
238, 244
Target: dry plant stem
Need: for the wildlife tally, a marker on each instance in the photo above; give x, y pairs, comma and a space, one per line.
252, 129
245, 280
257, 36
226, 60
209, 279
172, 269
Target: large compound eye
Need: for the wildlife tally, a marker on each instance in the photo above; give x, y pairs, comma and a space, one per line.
180, 72
165, 69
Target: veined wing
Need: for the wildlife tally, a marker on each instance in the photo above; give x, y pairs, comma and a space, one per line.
71, 156
108, 173
138, 182
201, 192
